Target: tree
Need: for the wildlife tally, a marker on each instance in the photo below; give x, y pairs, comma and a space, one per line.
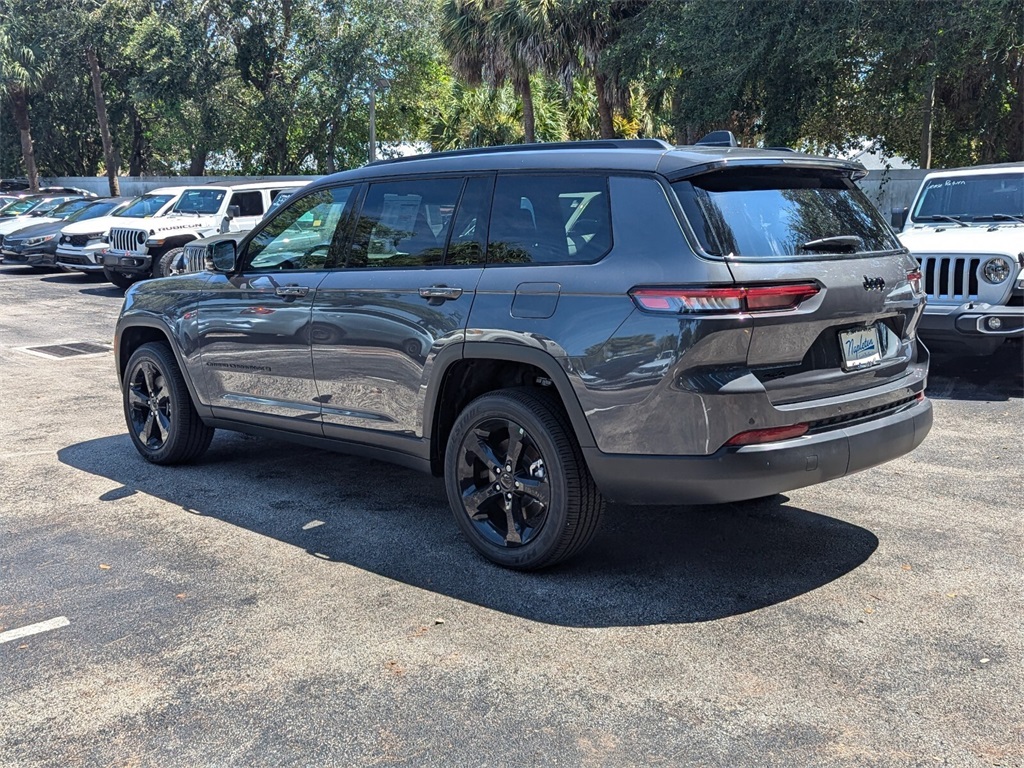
498, 42
20, 73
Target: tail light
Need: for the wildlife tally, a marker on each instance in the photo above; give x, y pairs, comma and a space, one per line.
914, 278
757, 298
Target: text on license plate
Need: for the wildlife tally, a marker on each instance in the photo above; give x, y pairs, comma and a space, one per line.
860, 347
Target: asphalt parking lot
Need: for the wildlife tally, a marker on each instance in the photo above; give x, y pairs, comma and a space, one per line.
275, 605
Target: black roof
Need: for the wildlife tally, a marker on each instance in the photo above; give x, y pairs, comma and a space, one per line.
645, 155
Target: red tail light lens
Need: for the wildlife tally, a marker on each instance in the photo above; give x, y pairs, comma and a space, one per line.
755, 436
758, 298
914, 278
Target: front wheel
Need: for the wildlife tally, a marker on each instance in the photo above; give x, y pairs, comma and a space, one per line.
162, 264
517, 482
158, 409
120, 279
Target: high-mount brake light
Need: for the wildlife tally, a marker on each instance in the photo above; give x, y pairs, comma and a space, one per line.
756, 298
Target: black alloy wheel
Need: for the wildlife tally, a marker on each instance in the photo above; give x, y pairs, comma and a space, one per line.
517, 482
162, 421
502, 479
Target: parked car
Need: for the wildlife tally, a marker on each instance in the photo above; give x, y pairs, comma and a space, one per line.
15, 213
81, 245
192, 257
786, 302
966, 228
36, 246
136, 253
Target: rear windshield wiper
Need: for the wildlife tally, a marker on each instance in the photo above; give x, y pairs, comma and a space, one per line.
944, 217
1007, 217
835, 244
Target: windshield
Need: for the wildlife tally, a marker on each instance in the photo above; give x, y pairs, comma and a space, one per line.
93, 210
64, 210
19, 207
768, 213
145, 206
971, 197
199, 201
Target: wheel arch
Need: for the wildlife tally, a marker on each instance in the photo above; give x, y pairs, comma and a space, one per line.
137, 331
476, 368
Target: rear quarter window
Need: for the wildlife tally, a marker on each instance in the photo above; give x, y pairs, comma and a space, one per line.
770, 213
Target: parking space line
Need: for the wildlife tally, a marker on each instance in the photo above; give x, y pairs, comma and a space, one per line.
33, 629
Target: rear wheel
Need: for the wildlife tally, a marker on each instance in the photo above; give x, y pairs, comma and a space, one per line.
120, 279
162, 421
517, 482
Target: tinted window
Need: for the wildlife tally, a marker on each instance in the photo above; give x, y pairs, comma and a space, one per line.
766, 213
549, 219
93, 210
300, 236
972, 198
145, 206
469, 230
199, 201
249, 203
404, 223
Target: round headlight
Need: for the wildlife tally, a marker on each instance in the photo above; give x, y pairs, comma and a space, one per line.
996, 270
141, 237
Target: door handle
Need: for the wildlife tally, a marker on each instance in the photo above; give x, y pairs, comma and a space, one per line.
440, 293
292, 291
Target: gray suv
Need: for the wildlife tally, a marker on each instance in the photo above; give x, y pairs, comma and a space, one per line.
549, 327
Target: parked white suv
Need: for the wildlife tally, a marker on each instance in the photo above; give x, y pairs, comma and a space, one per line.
81, 245
139, 252
966, 228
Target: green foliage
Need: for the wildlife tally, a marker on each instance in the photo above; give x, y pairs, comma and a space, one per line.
284, 86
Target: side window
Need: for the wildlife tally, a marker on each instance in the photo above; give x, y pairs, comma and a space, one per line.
249, 203
301, 234
549, 219
404, 223
469, 230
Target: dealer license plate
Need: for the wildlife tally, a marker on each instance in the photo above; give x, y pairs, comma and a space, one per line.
860, 347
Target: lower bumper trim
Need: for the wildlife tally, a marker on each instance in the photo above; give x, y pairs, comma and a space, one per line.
749, 472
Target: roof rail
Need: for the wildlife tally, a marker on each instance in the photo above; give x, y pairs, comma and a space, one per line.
539, 146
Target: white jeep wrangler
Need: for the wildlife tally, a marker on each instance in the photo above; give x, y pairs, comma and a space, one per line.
966, 228
139, 252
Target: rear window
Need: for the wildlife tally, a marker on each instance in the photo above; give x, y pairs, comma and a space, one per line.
768, 214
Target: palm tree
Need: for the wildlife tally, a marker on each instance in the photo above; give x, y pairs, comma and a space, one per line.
20, 74
498, 42
583, 30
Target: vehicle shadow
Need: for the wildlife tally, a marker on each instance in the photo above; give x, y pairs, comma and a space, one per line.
995, 377
648, 565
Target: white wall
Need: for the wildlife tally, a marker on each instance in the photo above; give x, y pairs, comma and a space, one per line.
137, 185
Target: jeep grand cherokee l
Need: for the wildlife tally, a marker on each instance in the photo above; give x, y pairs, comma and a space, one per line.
616, 320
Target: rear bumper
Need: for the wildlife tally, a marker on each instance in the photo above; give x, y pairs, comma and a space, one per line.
749, 472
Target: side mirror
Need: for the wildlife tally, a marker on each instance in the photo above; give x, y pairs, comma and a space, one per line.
898, 217
221, 256
234, 211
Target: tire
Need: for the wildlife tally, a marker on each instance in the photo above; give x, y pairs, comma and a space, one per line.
119, 279
546, 465
161, 419
162, 263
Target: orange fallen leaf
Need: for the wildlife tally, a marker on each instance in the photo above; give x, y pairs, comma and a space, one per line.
869, 610
180, 596
906, 567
